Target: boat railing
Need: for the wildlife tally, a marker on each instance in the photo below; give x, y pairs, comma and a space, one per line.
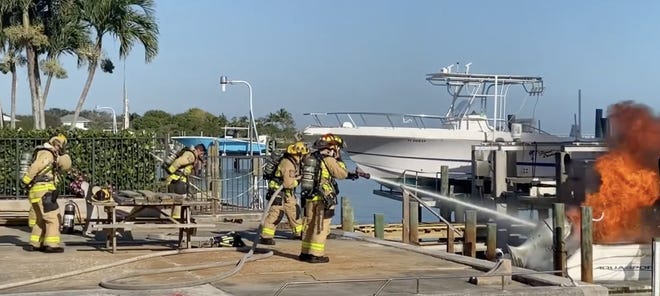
357, 119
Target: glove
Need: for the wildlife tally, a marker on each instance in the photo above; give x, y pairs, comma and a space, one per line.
353, 176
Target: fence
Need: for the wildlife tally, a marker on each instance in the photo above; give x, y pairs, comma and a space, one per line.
240, 185
135, 163
120, 161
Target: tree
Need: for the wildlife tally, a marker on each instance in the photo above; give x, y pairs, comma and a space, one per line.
130, 21
11, 60
66, 35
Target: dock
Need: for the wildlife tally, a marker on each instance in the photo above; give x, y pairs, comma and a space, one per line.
359, 265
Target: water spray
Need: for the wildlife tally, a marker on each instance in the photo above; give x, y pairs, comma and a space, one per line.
456, 201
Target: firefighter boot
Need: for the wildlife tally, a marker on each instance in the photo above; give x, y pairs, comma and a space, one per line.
48, 249
267, 241
35, 249
318, 259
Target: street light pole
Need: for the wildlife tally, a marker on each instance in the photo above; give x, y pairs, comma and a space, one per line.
223, 82
252, 125
114, 117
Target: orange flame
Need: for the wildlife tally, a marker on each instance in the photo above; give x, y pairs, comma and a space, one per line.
629, 176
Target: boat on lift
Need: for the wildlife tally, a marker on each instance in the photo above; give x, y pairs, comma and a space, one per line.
402, 146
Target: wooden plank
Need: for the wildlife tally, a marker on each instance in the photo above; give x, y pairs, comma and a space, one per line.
155, 226
491, 241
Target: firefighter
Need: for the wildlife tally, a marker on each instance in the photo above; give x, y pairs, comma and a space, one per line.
180, 170
320, 205
285, 203
41, 178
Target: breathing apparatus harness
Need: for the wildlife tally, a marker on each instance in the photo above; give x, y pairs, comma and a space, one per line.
279, 198
173, 156
49, 199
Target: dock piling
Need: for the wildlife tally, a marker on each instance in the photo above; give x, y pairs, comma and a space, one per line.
405, 227
586, 245
414, 222
470, 234
491, 241
346, 215
559, 218
379, 226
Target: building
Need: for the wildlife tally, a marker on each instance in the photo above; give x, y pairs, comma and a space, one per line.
81, 123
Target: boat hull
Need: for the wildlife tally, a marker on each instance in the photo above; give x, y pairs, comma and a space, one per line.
395, 153
621, 262
225, 145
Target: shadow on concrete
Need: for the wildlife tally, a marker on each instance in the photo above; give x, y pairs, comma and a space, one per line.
14, 240
285, 255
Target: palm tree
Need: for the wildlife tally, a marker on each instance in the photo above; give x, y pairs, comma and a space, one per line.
12, 58
130, 21
22, 30
9, 64
66, 35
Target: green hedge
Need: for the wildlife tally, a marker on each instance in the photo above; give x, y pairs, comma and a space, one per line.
123, 160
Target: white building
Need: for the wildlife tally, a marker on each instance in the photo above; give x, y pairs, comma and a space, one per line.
81, 123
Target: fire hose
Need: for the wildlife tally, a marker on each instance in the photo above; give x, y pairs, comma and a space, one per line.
110, 283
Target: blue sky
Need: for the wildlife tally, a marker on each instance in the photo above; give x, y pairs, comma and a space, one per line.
368, 55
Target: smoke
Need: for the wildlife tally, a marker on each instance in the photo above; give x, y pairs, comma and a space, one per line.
635, 132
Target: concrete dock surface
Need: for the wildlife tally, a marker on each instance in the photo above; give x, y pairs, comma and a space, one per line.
359, 265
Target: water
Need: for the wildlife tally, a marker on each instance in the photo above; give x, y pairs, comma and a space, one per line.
365, 204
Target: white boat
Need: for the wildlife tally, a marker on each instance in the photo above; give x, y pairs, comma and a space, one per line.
395, 146
620, 262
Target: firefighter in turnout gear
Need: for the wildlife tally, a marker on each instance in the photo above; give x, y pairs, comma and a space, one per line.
41, 179
180, 170
320, 202
286, 175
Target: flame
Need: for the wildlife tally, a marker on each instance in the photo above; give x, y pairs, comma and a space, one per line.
629, 176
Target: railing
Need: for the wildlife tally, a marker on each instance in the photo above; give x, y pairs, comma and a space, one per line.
394, 120
388, 281
385, 119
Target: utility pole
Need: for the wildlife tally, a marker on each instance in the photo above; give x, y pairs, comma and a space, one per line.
126, 121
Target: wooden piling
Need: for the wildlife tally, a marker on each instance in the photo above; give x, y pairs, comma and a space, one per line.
214, 183
450, 240
414, 222
445, 207
558, 220
379, 226
405, 207
586, 245
491, 241
470, 234
346, 215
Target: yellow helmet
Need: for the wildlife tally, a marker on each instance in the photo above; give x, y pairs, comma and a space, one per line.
64, 162
297, 148
61, 139
338, 141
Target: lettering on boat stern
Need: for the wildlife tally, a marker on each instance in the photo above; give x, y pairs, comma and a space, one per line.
416, 141
626, 267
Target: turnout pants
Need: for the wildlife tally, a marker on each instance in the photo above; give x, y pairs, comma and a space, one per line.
275, 213
46, 230
32, 216
317, 227
177, 187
